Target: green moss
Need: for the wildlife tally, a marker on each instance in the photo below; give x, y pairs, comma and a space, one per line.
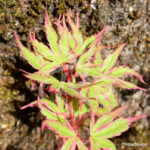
6, 94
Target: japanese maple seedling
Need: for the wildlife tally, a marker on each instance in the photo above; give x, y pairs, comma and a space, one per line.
83, 92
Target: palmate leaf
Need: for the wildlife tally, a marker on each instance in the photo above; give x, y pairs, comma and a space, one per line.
63, 30
67, 144
67, 88
80, 144
104, 96
51, 105
42, 78
98, 59
50, 110
44, 50
113, 129
60, 103
63, 45
50, 115
92, 50
49, 67
88, 41
76, 33
77, 109
71, 144
32, 59
102, 143
122, 71
125, 84
101, 122
111, 59
52, 36
86, 69
58, 128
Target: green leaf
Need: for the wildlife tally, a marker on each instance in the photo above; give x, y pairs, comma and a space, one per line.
87, 55
87, 69
44, 51
125, 84
109, 94
52, 36
81, 145
94, 144
76, 33
49, 115
104, 96
42, 78
60, 128
121, 71
67, 144
101, 121
103, 143
51, 105
71, 41
98, 59
83, 110
114, 129
41, 58
60, 102
95, 105
63, 45
50, 110
88, 41
67, 88
111, 59
32, 59
49, 66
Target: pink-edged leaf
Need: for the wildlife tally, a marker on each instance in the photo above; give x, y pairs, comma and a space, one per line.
52, 36
125, 84
64, 45
44, 50
60, 103
94, 145
98, 59
88, 41
49, 67
51, 105
87, 55
76, 33
32, 59
111, 59
113, 129
71, 40
121, 71
42, 78
91, 71
68, 144
65, 86
43, 61
133, 119
50, 115
103, 143
104, 96
58, 128
50, 111
80, 144
32, 104
101, 122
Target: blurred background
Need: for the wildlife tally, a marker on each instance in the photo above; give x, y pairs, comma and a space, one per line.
126, 21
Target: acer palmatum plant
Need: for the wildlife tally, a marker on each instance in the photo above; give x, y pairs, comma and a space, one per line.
83, 92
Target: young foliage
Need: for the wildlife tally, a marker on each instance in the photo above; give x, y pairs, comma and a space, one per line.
84, 98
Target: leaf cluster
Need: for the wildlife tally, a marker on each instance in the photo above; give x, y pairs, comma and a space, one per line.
84, 97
